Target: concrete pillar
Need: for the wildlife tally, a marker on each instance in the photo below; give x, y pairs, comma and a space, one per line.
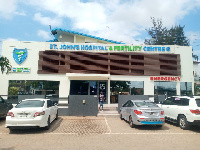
178, 88
148, 87
108, 90
64, 88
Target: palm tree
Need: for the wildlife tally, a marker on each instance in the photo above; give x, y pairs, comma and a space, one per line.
5, 64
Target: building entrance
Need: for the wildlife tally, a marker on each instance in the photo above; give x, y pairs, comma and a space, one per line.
96, 87
85, 87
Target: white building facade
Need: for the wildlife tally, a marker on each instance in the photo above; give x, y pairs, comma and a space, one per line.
77, 57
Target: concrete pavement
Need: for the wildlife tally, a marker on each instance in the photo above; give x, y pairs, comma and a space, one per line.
102, 132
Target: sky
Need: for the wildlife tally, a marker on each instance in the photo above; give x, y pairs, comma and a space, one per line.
119, 20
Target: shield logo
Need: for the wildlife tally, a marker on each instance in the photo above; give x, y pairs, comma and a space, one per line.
19, 55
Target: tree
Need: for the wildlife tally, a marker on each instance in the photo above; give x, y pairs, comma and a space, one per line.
195, 57
162, 36
5, 64
120, 86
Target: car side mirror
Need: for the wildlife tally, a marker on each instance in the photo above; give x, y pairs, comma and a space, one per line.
55, 104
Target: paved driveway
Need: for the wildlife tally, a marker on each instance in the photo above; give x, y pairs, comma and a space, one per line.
99, 133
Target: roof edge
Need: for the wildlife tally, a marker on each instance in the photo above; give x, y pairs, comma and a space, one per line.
53, 31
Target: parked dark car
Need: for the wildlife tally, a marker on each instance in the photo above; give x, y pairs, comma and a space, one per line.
4, 107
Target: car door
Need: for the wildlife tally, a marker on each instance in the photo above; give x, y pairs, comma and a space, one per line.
174, 108
166, 106
3, 107
129, 109
51, 109
124, 110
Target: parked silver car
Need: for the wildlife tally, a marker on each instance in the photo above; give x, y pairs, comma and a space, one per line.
142, 112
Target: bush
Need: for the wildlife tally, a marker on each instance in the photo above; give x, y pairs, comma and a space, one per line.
13, 91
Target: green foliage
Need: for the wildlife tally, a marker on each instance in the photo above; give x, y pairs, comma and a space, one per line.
162, 36
120, 86
13, 91
51, 85
195, 57
5, 65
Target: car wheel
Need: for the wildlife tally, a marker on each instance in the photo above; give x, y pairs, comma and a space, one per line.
131, 122
48, 124
159, 126
121, 116
57, 116
11, 130
183, 123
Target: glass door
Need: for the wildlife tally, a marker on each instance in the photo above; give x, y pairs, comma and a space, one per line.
103, 88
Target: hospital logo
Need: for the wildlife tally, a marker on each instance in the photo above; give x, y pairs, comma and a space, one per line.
19, 55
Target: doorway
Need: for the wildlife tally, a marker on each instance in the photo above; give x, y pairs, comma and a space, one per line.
103, 88
98, 86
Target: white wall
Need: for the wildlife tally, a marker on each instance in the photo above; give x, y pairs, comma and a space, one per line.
186, 64
31, 61
33, 57
196, 70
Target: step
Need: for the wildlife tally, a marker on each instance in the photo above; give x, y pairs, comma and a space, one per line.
110, 108
62, 103
108, 113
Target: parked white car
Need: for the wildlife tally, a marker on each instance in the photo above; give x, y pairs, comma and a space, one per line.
32, 113
183, 110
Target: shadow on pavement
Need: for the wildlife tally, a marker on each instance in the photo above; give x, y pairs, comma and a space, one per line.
150, 127
194, 128
54, 125
2, 121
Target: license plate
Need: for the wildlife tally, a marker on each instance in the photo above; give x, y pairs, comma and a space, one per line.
151, 113
23, 116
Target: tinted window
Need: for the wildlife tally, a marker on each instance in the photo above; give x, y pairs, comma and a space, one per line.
186, 88
184, 102
49, 103
172, 101
163, 88
176, 101
126, 104
168, 101
131, 104
32, 103
79, 87
198, 102
145, 104
1, 100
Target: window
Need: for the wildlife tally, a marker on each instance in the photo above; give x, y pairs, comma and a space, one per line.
1, 100
198, 102
186, 88
165, 88
131, 104
30, 103
168, 101
176, 101
79, 87
49, 103
145, 104
93, 88
125, 88
33, 87
127, 104
184, 102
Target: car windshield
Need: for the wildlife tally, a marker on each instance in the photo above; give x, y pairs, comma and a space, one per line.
198, 102
145, 104
30, 103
